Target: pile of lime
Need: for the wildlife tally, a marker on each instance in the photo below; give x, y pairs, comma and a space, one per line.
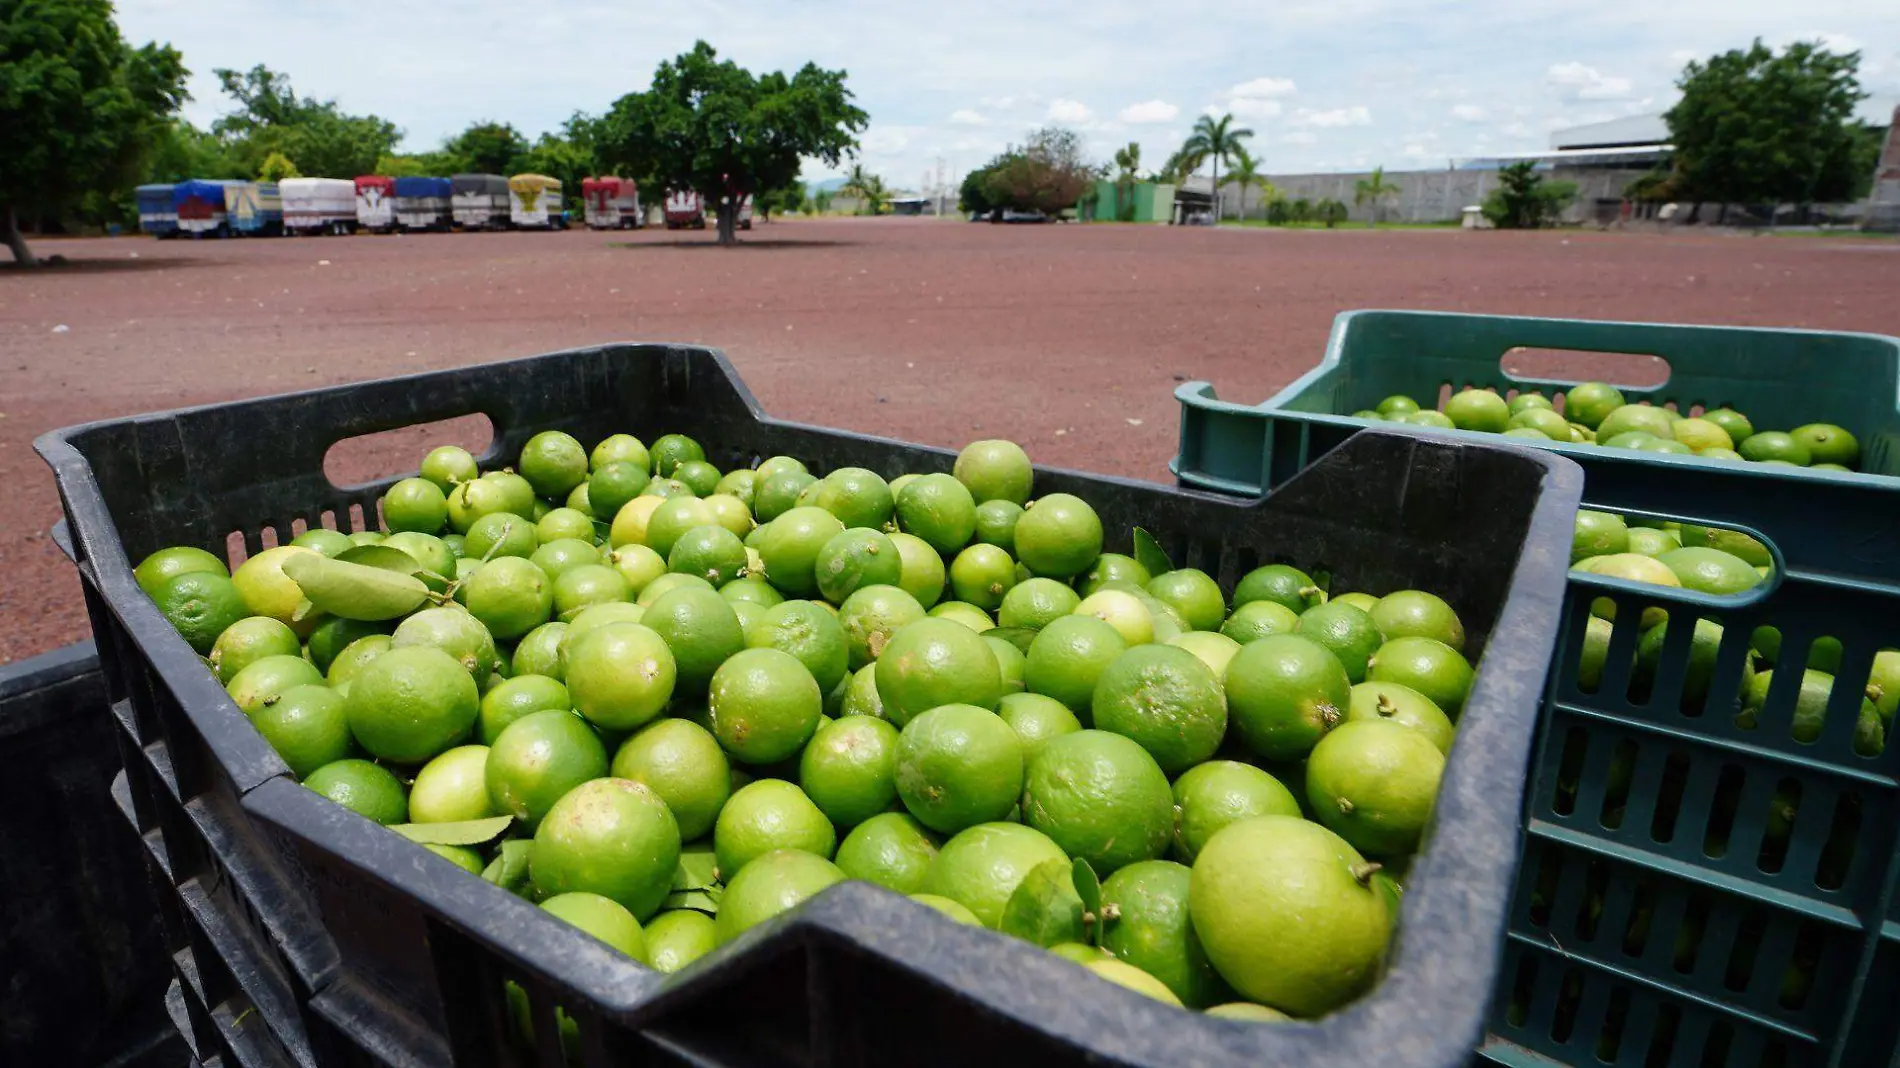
1596, 413
1721, 562
670, 702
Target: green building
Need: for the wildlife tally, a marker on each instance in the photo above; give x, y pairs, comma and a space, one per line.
1146, 202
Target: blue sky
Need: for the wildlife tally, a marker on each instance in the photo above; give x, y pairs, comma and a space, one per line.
1325, 84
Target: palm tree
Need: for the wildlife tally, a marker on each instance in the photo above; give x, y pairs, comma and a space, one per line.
1215, 139
1244, 171
1375, 189
867, 187
1127, 163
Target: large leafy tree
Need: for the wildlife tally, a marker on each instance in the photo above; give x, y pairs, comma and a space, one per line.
1047, 173
317, 134
1759, 127
80, 110
487, 148
715, 127
1216, 140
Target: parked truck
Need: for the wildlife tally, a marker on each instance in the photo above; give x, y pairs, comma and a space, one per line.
158, 216
199, 206
685, 210
318, 205
534, 202
376, 203
480, 201
423, 203
254, 209
611, 203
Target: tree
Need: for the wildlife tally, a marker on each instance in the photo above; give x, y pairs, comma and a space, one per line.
271, 117
973, 196
1279, 212
1302, 210
487, 148
80, 110
716, 128
277, 167
784, 200
1331, 212
1524, 200
1214, 139
868, 188
1047, 173
1374, 190
1127, 165
1245, 173
1179, 165
1754, 127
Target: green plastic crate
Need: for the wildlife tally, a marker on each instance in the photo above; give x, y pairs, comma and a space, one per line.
1779, 378
1694, 890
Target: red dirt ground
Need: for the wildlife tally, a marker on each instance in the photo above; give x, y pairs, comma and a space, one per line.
1066, 339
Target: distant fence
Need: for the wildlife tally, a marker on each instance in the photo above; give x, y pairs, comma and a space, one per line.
1429, 196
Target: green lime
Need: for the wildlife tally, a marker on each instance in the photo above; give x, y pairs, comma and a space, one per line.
1035, 603
701, 630
741, 484
500, 534
982, 866
1124, 611
778, 493
629, 525
1597, 534
1165, 700
982, 575
1651, 420
1059, 536
1478, 409
1067, 659
1284, 693
1700, 671
1751, 551
711, 552
1152, 931
1373, 783
1397, 404
307, 726
681, 762
752, 589
1100, 797
805, 630
319, 539
849, 768
511, 596
553, 463
580, 588
790, 548
366, 537
1112, 568
995, 470
263, 681
619, 674
1010, 661
433, 554
354, 657
369, 790
539, 653
249, 640
667, 489
935, 662
1810, 711
890, 849
411, 703
964, 614
1775, 445
701, 476
675, 517
1630, 439
1647, 542
1212, 795
1249, 1012
618, 448
1708, 570
1591, 402
671, 450
1417, 614
165, 564
861, 696
200, 605
606, 920
610, 837
731, 512
773, 465
948, 907
938, 509
855, 558
1349, 632
1733, 423
1192, 593
996, 523
415, 504
1285, 911
764, 816
266, 590
870, 616
679, 937
1214, 650
454, 631
1260, 619
1431, 667
461, 856
451, 787
447, 465
1036, 719
1701, 434
561, 523
921, 572
1403, 705
1127, 975
1545, 421
667, 583
1596, 649
764, 705
958, 766
517, 697
859, 498
1284, 585
477, 497
579, 501
775, 883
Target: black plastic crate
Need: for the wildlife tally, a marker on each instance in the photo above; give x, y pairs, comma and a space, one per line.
406, 955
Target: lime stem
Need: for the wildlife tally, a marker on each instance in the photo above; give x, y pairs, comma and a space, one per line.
1364, 872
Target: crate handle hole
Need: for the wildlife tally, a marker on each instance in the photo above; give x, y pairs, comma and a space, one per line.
1634, 370
389, 454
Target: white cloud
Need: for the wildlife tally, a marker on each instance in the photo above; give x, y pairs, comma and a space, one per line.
1246, 108
966, 117
1413, 152
1468, 113
1300, 137
1517, 129
1356, 115
1148, 113
1583, 82
1262, 89
1062, 110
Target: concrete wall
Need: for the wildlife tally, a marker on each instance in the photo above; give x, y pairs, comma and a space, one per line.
1424, 196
